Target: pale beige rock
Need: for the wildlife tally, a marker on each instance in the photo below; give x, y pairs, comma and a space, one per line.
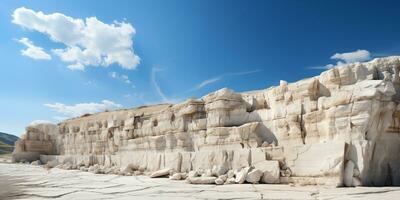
270, 170
348, 173
254, 176
223, 177
202, 180
219, 181
193, 174
241, 175
309, 128
160, 173
176, 176
230, 181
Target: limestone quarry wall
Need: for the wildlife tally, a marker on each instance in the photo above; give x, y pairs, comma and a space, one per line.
341, 128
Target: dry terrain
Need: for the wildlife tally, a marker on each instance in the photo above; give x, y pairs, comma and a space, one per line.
22, 181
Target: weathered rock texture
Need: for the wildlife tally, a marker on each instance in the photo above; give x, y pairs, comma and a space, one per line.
304, 132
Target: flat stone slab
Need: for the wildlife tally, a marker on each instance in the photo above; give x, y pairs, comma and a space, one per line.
20, 181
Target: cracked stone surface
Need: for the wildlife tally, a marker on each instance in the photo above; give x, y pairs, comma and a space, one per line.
18, 181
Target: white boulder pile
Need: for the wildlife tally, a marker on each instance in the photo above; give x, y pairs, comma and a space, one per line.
340, 128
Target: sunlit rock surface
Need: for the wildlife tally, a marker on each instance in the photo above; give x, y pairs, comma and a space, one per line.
339, 128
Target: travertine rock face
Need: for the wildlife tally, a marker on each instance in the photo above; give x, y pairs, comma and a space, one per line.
340, 128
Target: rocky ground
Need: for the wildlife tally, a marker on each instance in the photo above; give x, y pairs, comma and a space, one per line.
23, 181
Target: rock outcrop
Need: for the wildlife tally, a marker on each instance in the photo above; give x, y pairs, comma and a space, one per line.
340, 128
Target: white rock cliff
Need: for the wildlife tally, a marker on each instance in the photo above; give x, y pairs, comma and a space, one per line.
339, 128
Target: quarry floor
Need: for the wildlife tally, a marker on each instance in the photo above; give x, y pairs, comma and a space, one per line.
23, 181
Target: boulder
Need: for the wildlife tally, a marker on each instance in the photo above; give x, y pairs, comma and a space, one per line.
219, 170
241, 175
254, 176
270, 170
160, 173
230, 174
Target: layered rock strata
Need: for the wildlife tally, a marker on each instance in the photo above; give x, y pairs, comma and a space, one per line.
341, 127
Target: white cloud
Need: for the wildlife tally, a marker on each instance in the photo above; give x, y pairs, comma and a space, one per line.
90, 83
83, 108
134, 95
349, 57
36, 122
89, 42
60, 118
124, 78
33, 51
355, 56
328, 66
113, 74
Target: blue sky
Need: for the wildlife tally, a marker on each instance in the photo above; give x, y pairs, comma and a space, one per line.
64, 58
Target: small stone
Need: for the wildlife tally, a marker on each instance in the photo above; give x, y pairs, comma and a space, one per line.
231, 174
37, 162
201, 180
219, 170
176, 176
230, 181
241, 175
219, 181
184, 175
137, 173
85, 169
142, 169
223, 177
160, 173
192, 174
207, 173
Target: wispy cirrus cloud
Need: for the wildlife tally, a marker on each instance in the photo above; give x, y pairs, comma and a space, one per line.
89, 83
154, 82
159, 91
207, 82
220, 77
166, 99
122, 77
